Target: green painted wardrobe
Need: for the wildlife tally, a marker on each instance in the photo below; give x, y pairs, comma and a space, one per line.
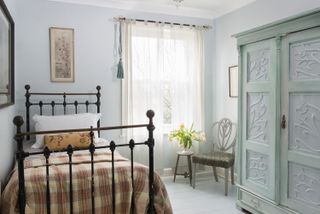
279, 117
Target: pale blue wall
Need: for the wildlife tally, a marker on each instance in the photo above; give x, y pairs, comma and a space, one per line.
256, 14
6, 126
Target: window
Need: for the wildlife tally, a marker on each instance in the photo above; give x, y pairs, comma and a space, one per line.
163, 71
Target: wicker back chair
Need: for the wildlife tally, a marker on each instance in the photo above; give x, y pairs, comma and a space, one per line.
223, 151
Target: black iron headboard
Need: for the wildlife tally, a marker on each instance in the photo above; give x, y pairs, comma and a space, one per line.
64, 103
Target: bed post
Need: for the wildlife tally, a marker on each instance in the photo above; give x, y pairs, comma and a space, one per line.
20, 155
27, 95
98, 103
150, 127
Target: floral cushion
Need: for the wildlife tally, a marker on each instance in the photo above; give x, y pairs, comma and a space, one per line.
62, 141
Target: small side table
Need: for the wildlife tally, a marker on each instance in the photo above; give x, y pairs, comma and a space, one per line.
187, 154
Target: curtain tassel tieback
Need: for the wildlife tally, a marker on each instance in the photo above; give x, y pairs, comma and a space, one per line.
120, 69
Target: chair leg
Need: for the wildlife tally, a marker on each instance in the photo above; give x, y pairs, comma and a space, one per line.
226, 177
175, 171
194, 168
215, 173
232, 175
190, 169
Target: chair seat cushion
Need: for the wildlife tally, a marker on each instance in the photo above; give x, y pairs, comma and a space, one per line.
218, 159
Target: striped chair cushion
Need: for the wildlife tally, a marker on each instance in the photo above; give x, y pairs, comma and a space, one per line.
218, 159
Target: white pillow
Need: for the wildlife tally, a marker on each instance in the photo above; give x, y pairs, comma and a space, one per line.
62, 122
99, 141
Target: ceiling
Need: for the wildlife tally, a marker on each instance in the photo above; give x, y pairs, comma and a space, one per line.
208, 9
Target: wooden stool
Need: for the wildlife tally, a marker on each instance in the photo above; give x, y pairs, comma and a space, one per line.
188, 154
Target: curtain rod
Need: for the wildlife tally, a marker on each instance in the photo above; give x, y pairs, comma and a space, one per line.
166, 23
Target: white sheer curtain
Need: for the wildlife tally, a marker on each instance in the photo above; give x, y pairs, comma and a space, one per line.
163, 72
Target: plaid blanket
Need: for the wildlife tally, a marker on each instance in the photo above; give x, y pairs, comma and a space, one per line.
35, 185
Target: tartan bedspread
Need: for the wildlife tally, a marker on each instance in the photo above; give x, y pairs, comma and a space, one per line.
35, 185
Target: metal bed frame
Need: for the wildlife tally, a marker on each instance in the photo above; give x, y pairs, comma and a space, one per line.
21, 154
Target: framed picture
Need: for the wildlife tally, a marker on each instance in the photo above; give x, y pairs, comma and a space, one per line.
62, 54
233, 81
6, 57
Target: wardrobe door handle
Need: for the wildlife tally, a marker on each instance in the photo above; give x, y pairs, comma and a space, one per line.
283, 122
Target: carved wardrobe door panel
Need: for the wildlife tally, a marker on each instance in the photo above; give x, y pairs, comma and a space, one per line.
300, 150
258, 119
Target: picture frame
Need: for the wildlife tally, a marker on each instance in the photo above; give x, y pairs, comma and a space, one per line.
233, 81
61, 54
7, 87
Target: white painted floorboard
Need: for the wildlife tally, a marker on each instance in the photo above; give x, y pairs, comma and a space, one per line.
207, 198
